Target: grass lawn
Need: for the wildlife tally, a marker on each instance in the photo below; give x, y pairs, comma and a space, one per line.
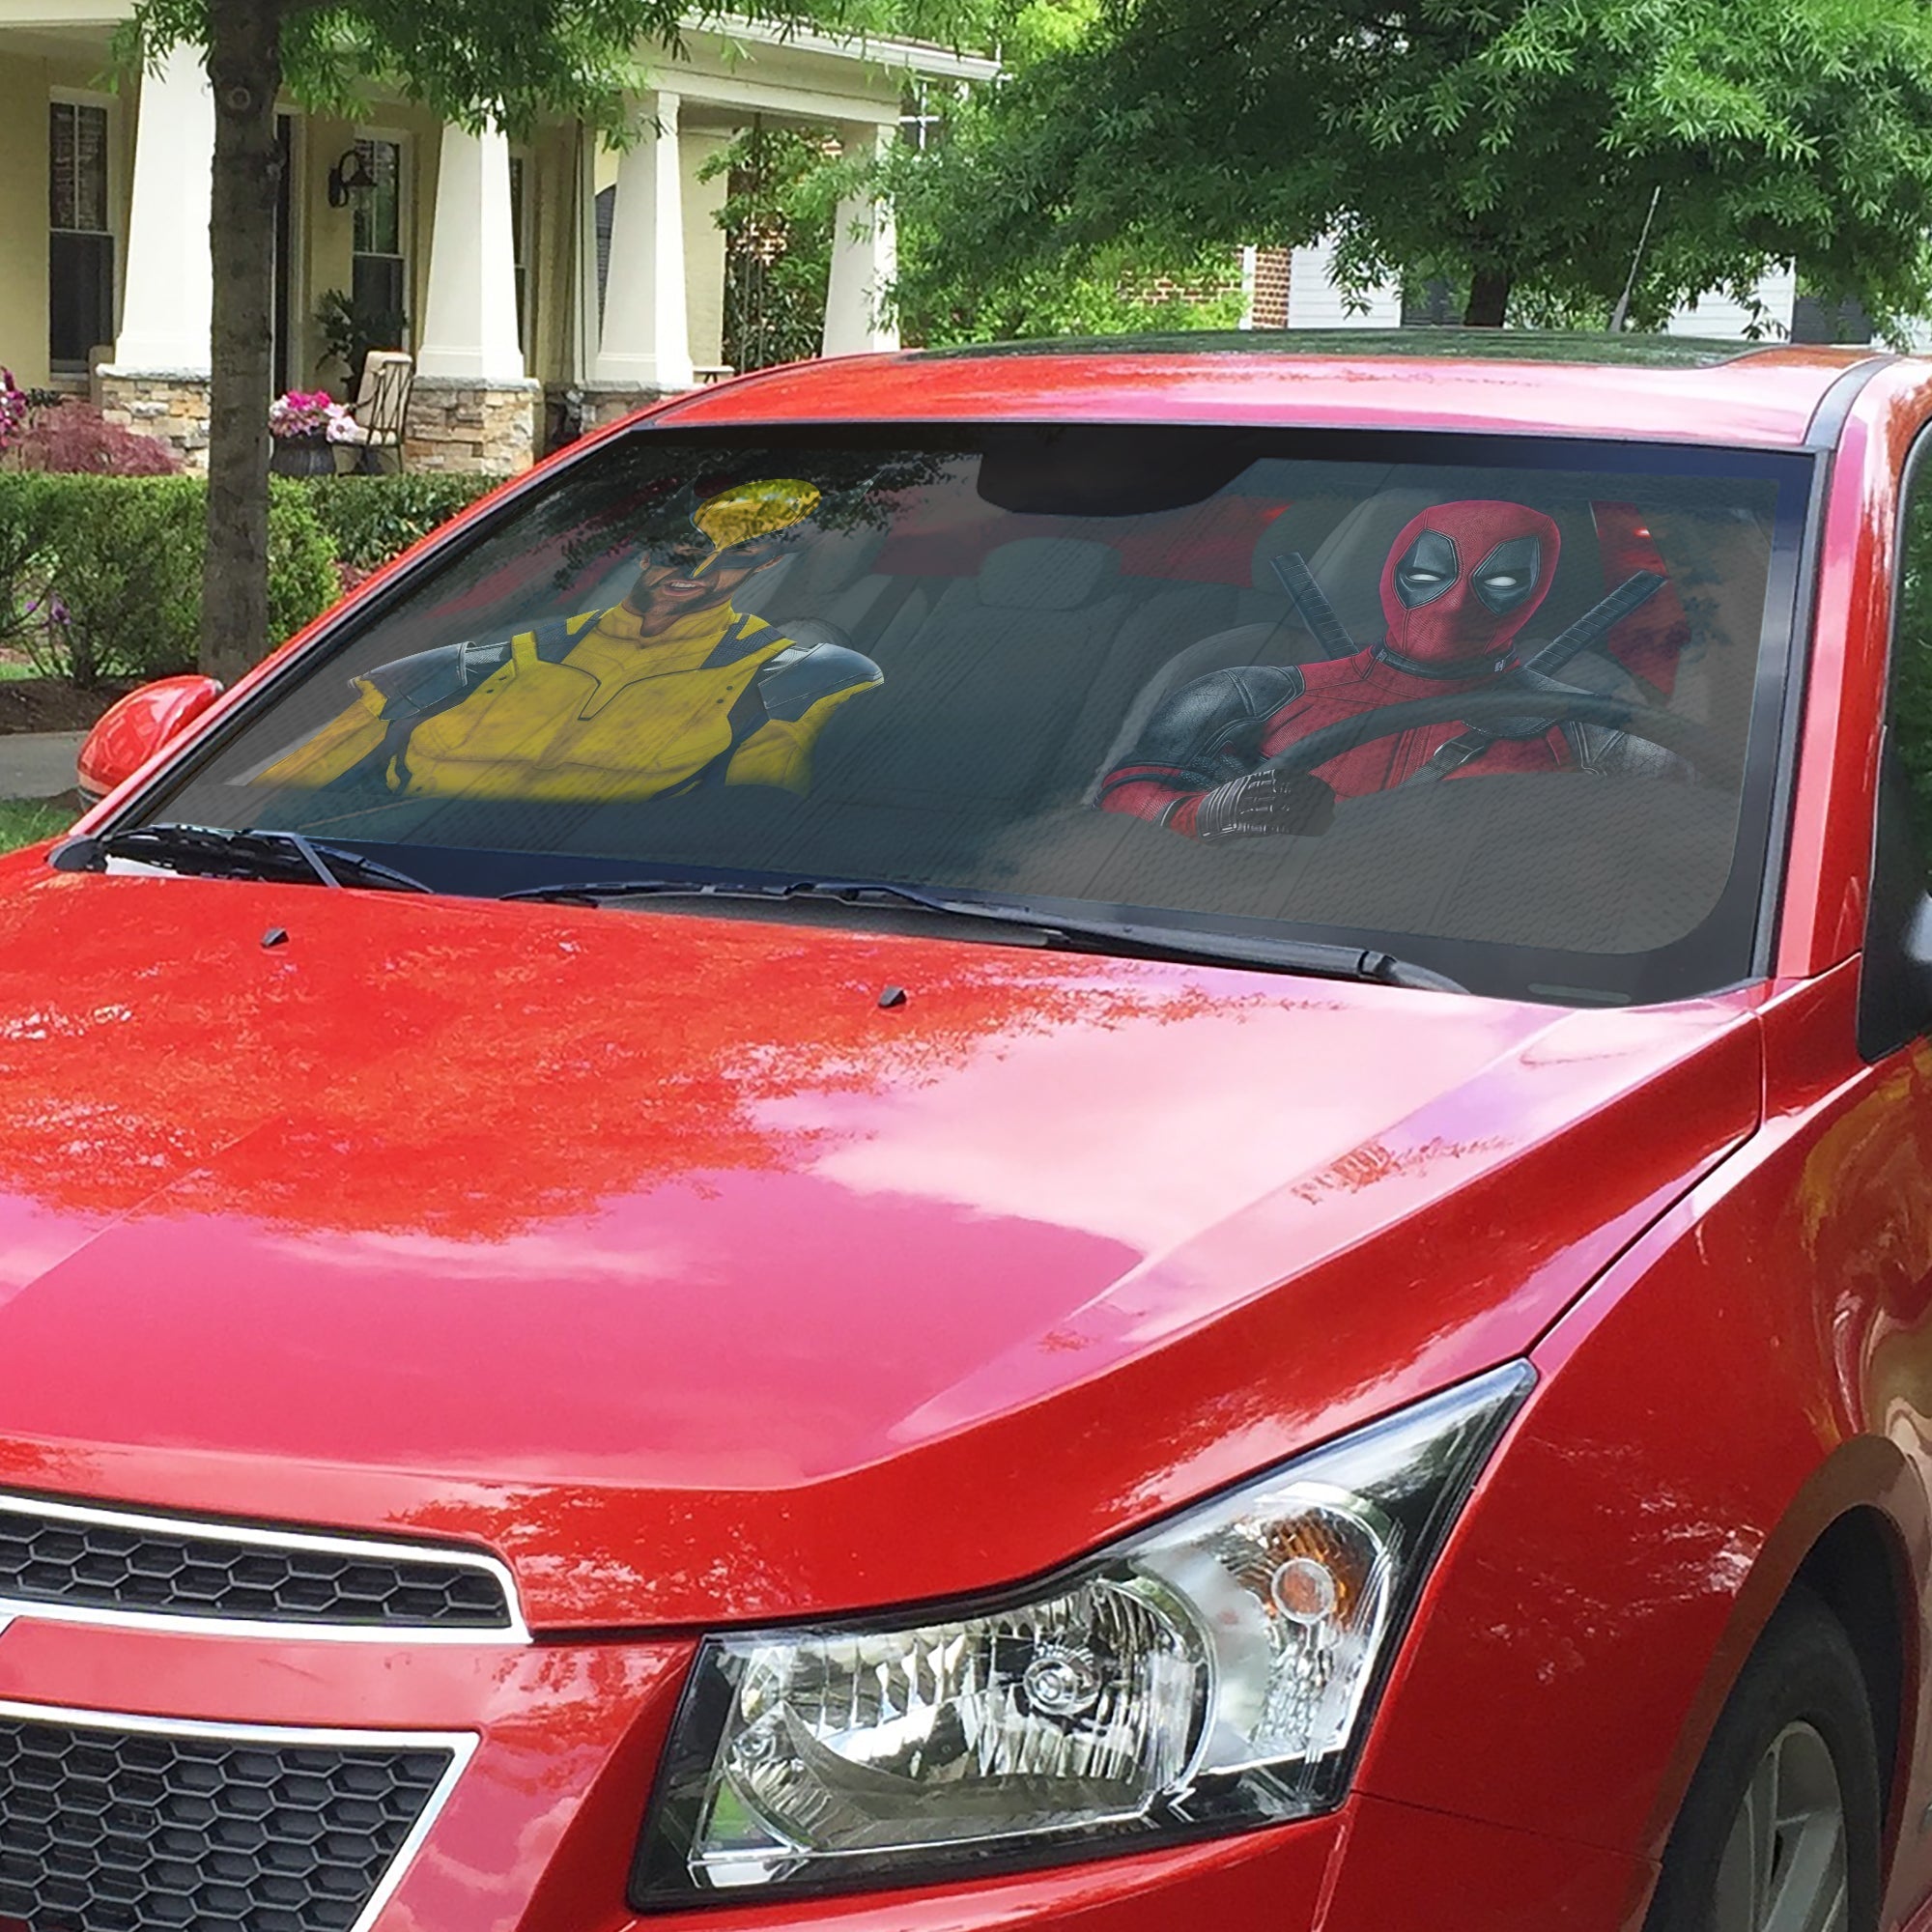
22, 820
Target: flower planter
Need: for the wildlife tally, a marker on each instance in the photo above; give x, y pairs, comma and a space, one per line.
302, 456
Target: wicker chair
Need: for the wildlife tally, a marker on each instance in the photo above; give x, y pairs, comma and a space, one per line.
380, 409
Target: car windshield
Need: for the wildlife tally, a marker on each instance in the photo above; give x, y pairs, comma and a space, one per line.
1507, 709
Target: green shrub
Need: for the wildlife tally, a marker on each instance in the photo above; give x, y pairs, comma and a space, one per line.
100, 576
372, 519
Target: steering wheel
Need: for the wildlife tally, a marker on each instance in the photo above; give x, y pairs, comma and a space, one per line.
1691, 742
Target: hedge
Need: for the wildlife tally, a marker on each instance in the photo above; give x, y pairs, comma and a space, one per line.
100, 576
371, 518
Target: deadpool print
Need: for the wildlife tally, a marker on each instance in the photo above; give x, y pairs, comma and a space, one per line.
1460, 583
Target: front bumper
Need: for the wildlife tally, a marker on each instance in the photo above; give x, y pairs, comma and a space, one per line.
540, 1819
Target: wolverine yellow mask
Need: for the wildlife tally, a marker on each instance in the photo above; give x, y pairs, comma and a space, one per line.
743, 524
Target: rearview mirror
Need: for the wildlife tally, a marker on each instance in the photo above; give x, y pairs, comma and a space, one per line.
130, 734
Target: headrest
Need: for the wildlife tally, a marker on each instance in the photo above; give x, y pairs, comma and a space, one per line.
756, 596
1305, 526
1045, 573
1348, 563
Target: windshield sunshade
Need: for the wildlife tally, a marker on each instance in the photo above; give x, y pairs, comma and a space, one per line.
1508, 709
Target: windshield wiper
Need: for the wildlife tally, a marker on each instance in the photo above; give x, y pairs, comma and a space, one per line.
1165, 942
217, 852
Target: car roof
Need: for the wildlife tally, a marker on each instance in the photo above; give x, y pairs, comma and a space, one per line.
1643, 387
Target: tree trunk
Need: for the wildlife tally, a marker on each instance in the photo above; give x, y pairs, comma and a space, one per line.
1488, 300
244, 63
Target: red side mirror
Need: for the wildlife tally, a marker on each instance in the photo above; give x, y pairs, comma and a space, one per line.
129, 735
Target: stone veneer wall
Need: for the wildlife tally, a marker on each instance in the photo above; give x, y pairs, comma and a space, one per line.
455, 424
170, 407
575, 408
605, 402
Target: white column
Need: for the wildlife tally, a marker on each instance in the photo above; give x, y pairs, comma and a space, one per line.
470, 314
647, 340
168, 284
865, 261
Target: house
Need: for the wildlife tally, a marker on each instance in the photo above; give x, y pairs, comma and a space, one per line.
1294, 288
486, 259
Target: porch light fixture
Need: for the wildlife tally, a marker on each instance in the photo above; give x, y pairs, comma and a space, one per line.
351, 175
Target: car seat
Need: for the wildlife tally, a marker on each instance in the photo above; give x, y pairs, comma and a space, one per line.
1272, 631
977, 694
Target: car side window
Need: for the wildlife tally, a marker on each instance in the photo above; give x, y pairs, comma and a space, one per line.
1895, 990
1909, 710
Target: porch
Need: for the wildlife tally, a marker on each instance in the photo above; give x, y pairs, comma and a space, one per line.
558, 273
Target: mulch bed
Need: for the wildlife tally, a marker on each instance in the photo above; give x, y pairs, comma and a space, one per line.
52, 704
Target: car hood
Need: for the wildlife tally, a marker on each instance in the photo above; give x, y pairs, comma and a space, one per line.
662, 1255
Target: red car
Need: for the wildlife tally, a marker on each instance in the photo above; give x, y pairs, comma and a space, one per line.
1115, 1137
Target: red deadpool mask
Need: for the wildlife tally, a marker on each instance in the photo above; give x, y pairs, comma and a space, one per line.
1462, 580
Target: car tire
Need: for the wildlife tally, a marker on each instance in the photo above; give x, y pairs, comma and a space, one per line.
1794, 1743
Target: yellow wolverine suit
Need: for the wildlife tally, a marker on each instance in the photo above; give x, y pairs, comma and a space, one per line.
582, 709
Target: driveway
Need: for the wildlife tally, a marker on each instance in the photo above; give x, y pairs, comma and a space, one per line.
38, 764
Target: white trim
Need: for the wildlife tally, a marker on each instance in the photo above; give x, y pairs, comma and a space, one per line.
919, 56
764, 97
30, 1609
83, 97
460, 1744
64, 13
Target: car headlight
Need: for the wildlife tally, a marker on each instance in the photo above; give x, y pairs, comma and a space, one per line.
1210, 1673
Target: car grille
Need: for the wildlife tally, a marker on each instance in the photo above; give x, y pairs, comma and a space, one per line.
62, 1559
122, 1824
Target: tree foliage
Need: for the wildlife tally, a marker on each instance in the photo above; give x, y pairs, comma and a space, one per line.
476, 63
1506, 146
510, 62
1139, 280
781, 186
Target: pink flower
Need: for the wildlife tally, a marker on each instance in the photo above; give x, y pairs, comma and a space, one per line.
310, 412
13, 408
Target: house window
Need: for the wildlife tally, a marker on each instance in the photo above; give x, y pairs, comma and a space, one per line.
922, 110
80, 254
1434, 304
381, 286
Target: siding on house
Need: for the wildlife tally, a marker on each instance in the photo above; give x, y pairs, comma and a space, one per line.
1719, 315
23, 213
1314, 301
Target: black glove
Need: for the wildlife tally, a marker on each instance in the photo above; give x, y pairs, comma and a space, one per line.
1263, 801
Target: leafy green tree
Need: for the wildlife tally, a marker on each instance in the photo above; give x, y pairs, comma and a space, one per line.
1139, 281
780, 219
474, 62
1124, 289
778, 216
1511, 147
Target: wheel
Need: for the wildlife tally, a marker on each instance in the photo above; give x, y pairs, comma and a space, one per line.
1780, 1829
